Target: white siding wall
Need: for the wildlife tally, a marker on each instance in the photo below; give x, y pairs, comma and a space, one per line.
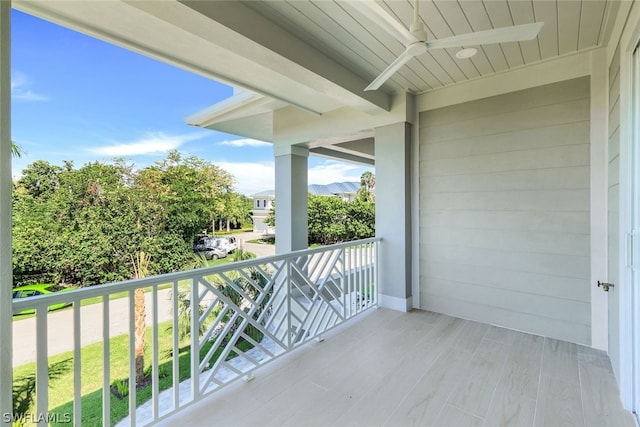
504, 210
613, 206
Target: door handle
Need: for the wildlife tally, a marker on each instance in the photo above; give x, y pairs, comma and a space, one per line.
605, 286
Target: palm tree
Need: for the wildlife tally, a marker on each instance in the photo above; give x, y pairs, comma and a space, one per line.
367, 185
16, 151
141, 269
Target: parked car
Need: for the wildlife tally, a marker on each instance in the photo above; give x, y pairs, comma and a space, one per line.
229, 243
39, 289
210, 247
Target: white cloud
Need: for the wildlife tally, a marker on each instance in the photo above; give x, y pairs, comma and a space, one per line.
330, 171
150, 143
254, 177
20, 88
245, 142
251, 177
29, 95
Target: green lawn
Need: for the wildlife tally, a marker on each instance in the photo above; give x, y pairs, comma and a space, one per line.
61, 387
96, 300
61, 383
228, 233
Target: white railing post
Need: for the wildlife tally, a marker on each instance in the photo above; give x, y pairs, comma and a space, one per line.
155, 356
77, 366
6, 268
288, 300
106, 362
176, 346
343, 282
376, 274
42, 364
195, 340
132, 358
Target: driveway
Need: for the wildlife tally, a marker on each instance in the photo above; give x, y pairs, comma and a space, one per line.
259, 249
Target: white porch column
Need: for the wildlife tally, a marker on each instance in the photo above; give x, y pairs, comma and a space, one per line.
393, 214
6, 273
291, 198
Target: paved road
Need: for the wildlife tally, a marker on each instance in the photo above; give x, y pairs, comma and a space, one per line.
60, 331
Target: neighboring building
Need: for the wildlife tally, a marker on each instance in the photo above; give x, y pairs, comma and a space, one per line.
263, 201
347, 191
262, 204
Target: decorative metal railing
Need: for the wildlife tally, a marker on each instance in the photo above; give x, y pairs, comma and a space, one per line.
225, 322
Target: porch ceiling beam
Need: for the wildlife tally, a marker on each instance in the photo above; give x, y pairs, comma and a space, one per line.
358, 148
337, 154
265, 42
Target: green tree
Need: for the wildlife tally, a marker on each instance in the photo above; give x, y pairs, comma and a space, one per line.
367, 187
40, 178
81, 225
332, 220
191, 190
327, 219
361, 219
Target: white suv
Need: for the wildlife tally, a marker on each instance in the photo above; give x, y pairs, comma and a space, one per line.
230, 243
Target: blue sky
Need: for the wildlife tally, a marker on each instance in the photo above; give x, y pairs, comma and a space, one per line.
78, 98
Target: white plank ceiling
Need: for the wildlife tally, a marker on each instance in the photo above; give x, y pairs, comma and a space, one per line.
338, 30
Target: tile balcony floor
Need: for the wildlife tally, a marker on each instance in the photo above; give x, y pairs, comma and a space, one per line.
425, 369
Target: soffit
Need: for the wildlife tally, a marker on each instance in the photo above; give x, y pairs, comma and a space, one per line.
341, 32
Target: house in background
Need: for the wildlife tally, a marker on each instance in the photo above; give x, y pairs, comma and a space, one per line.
263, 201
347, 191
506, 182
262, 204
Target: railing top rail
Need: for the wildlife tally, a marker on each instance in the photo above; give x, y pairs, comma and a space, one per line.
127, 285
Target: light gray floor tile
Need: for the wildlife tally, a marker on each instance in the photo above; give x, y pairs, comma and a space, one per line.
426, 369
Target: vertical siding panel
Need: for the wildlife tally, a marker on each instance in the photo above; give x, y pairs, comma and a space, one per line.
613, 203
504, 184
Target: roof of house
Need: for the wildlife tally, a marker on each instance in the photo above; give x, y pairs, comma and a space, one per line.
334, 188
321, 190
267, 193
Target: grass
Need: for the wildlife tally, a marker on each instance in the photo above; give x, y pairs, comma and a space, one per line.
228, 233
94, 300
272, 241
220, 261
266, 241
125, 294
61, 390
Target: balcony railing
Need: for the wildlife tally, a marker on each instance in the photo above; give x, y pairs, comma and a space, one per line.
230, 320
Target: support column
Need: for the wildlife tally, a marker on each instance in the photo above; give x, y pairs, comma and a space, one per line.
6, 272
393, 214
291, 198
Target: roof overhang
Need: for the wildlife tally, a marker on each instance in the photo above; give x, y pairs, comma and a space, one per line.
245, 113
222, 40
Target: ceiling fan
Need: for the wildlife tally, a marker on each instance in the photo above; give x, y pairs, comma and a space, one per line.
416, 43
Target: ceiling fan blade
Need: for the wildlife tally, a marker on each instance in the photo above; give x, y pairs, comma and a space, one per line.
390, 70
376, 13
498, 35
